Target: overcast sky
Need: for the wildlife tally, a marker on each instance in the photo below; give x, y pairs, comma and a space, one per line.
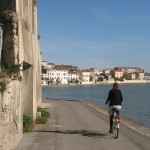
95, 33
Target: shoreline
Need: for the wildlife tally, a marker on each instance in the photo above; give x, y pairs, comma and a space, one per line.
134, 125
103, 83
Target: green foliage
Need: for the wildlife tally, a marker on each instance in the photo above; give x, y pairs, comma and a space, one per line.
8, 69
3, 73
44, 116
12, 68
3, 86
91, 78
118, 79
27, 123
44, 113
76, 81
127, 76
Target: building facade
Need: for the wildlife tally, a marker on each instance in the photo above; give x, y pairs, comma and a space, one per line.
84, 76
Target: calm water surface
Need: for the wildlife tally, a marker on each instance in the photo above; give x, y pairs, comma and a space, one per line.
136, 103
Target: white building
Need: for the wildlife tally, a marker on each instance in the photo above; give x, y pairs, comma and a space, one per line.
73, 75
133, 76
54, 76
85, 76
44, 63
45, 77
140, 75
64, 76
47, 65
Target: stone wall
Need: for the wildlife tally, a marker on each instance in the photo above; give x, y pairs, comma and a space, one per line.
20, 45
10, 115
1, 40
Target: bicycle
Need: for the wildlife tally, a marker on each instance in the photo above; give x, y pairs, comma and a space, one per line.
116, 123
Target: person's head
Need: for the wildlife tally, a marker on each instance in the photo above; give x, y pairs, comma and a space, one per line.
115, 86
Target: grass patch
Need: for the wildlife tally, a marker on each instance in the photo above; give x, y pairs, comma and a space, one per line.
28, 123
41, 120
44, 116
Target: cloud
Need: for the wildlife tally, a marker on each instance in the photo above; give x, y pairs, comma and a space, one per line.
110, 17
104, 16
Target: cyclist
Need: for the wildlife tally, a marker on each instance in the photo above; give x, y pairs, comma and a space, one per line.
115, 101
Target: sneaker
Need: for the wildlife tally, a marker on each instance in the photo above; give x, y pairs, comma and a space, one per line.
111, 131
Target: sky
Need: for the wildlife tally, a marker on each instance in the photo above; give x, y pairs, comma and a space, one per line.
99, 34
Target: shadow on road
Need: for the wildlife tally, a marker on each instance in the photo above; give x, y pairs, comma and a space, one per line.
96, 134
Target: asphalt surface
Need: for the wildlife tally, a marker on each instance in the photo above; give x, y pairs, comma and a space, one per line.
75, 125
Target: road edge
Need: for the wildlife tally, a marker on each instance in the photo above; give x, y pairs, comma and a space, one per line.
141, 129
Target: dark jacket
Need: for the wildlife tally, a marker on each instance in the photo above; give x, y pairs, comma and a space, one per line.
114, 97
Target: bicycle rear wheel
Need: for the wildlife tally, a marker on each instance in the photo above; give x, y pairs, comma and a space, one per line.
116, 133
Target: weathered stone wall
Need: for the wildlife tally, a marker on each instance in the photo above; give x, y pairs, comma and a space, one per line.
1, 40
10, 116
10, 37
29, 54
20, 45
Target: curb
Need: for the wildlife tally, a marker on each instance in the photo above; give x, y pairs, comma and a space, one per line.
141, 129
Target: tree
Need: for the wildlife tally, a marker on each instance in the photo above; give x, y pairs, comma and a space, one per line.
91, 78
127, 76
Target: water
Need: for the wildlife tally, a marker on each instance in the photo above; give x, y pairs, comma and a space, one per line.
136, 103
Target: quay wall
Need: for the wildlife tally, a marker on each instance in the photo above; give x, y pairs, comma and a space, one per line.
125, 81
135, 81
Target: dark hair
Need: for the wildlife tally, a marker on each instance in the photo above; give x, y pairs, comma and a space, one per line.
115, 86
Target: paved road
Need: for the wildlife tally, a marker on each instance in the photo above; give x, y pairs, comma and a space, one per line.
74, 125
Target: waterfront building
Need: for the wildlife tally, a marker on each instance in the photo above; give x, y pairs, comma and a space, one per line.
64, 76
137, 75
107, 71
95, 71
117, 73
140, 75
133, 76
147, 76
44, 64
58, 74
47, 65
73, 75
94, 74
45, 77
54, 76
129, 69
84, 76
